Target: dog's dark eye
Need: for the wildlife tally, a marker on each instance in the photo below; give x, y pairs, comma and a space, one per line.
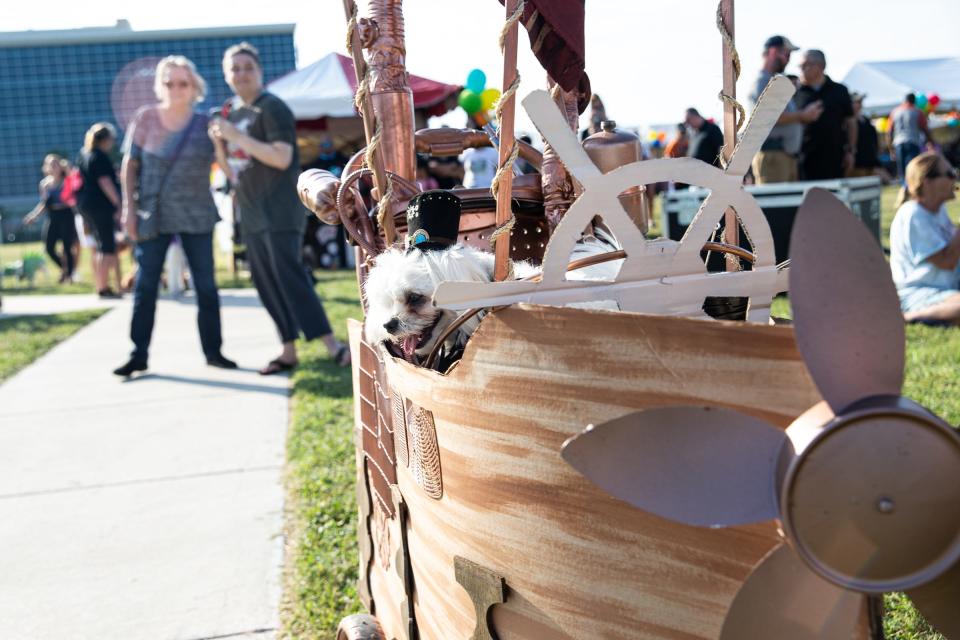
415, 299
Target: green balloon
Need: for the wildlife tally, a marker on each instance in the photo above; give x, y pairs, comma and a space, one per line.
470, 101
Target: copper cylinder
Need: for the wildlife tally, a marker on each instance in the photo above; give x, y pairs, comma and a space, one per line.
610, 149
559, 189
318, 193
390, 89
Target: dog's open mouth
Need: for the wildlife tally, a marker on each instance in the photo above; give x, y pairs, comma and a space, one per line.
413, 342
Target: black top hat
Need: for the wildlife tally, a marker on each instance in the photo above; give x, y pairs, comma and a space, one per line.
433, 220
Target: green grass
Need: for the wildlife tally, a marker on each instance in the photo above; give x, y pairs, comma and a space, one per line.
321, 566
26, 338
47, 283
322, 536
901, 621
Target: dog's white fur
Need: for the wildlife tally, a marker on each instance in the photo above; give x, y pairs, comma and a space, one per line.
399, 290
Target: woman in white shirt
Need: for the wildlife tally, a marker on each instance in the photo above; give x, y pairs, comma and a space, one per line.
925, 244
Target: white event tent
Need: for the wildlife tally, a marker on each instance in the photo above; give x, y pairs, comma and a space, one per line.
886, 83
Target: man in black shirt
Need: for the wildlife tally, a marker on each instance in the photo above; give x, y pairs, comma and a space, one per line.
830, 140
867, 156
706, 139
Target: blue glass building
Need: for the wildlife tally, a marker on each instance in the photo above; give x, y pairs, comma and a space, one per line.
55, 84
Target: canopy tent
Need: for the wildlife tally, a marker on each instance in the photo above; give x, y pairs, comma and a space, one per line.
886, 83
325, 89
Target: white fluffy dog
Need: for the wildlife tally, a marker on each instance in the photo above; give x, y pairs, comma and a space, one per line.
399, 290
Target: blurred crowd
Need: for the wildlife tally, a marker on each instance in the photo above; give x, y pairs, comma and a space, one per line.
160, 205
823, 134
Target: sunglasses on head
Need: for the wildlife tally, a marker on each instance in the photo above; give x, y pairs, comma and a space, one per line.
179, 83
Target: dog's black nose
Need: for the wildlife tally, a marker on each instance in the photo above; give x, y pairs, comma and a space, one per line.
392, 325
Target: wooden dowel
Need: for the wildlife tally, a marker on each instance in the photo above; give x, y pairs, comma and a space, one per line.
731, 229
505, 188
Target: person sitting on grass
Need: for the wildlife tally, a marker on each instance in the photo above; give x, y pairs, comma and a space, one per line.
925, 244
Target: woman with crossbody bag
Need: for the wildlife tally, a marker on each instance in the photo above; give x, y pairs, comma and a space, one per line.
166, 192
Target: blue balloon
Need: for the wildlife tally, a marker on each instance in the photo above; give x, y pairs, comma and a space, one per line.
476, 81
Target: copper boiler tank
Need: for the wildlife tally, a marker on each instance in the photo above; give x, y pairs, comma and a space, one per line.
612, 148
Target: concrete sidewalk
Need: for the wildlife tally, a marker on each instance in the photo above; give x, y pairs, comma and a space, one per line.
150, 508
42, 305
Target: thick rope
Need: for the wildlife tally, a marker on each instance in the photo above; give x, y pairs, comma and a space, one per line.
512, 20
363, 90
735, 59
511, 158
384, 214
555, 92
351, 27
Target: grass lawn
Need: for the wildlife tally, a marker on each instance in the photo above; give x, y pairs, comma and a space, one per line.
46, 283
26, 338
321, 562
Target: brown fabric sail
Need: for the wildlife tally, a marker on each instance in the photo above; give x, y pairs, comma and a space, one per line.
556, 38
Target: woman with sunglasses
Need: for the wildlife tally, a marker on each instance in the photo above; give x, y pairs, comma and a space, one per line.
165, 173
925, 243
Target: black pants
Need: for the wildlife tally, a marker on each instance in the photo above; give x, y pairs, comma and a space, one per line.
60, 227
102, 224
284, 286
150, 255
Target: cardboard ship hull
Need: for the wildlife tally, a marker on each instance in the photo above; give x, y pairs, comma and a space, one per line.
488, 484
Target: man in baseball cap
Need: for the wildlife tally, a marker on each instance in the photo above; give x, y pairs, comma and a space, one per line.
777, 159
780, 42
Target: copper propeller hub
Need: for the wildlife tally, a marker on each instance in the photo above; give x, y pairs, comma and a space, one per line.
852, 500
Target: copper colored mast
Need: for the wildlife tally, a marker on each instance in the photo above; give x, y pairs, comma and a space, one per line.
366, 109
392, 97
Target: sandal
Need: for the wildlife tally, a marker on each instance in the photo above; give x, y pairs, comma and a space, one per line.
277, 366
342, 357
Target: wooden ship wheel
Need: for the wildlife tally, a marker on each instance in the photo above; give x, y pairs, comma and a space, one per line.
700, 505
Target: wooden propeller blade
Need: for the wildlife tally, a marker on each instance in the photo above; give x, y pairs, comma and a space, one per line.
846, 312
784, 599
939, 602
699, 466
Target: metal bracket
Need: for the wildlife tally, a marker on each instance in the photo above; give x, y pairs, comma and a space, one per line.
485, 589
402, 563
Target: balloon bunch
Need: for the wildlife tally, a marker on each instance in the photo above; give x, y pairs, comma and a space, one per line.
475, 98
657, 139
953, 119
927, 103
